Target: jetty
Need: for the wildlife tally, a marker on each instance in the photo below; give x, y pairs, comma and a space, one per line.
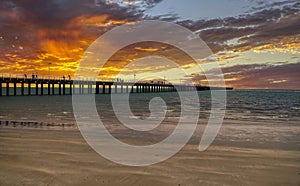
14, 86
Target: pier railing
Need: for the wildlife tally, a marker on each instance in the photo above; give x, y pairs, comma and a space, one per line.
30, 76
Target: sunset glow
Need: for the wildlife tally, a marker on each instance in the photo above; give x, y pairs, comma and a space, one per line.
261, 42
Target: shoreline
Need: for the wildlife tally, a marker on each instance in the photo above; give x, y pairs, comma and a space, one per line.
254, 134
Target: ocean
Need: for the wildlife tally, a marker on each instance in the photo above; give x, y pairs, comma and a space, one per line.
244, 105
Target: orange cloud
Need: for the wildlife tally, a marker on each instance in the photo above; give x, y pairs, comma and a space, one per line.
129, 54
146, 49
97, 21
288, 44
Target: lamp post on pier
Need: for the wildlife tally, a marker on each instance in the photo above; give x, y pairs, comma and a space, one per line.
134, 75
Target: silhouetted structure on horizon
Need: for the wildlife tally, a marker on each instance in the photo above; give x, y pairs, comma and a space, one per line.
34, 86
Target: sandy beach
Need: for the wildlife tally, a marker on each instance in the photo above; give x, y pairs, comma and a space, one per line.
149, 93
31, 156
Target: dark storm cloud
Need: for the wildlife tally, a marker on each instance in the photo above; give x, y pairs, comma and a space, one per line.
56, 13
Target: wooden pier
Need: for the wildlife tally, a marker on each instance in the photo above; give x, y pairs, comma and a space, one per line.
39, 87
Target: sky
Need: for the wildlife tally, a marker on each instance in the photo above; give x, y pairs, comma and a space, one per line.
255, 42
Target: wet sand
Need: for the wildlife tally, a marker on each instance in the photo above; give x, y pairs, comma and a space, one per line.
62, 157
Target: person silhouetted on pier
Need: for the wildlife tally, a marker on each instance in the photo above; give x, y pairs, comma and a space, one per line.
33, 76
36, 76
64, 78
25, 76
69, 77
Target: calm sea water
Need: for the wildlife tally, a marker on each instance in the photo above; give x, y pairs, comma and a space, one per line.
249, 105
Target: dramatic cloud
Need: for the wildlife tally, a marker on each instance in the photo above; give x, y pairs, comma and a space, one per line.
141, 50
282, 76
264, 77
277, 29
36, 32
